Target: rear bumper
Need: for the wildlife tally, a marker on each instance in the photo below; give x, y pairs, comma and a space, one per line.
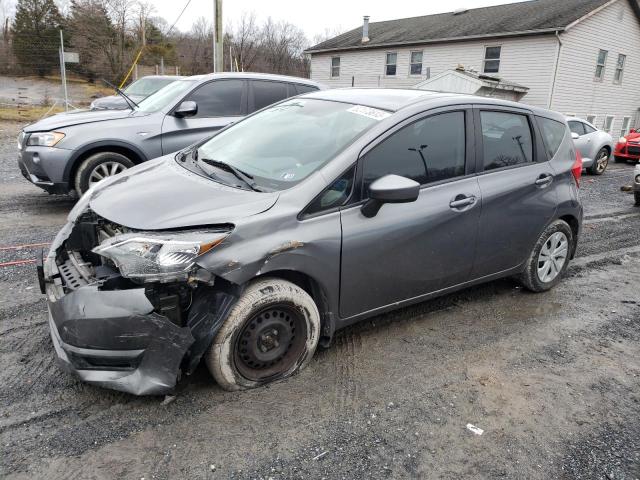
45, 167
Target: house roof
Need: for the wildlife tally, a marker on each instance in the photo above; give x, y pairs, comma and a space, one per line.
514, 19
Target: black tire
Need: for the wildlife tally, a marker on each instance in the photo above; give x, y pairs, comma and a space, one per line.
89, 164
637, 198
530, 277
245, 353
599, 164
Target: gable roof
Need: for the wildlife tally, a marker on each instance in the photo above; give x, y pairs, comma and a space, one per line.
514, 19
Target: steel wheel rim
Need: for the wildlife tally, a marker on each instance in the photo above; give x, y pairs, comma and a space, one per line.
105, 170
602, 161
270, 342
552, 257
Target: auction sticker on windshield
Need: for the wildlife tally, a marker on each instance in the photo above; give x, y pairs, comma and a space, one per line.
369, 112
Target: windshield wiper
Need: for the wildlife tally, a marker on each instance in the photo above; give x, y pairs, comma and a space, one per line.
126, 97
239, 174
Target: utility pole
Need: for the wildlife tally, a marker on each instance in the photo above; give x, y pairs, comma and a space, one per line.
63, 73
217, 36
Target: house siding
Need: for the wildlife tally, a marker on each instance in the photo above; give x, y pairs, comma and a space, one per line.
616, 29
529, 61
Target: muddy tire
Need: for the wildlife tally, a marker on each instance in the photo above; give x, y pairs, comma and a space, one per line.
600, 163
549, 258
271, 333
97, 167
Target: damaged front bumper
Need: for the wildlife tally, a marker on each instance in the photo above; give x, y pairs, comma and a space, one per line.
118, 338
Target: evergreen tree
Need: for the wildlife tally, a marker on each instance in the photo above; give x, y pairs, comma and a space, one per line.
36, 36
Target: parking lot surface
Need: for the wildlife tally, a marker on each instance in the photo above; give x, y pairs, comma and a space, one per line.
552, 380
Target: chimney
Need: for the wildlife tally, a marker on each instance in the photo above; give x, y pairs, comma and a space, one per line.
365, 29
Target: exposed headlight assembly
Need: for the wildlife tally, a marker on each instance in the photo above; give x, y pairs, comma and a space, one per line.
162, 257
622, 140
44, 139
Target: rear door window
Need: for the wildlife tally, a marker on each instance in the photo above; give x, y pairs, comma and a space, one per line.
507, 139
588, 128
305, 89
220, 98
429, 150
553, 133
265, 93
577, 127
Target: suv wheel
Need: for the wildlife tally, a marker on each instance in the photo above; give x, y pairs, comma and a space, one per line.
271, 333
600, 163
97, 167
549, 258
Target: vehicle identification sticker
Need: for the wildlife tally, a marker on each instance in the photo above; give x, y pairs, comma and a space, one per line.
369, 112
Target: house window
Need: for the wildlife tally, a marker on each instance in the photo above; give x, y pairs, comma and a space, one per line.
391, 65
602, 61
617, 78
415, 68
591, 119
491, 59
608, 123
625, 126
335, 66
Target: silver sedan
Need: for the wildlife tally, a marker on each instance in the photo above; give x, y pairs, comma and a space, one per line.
595, 145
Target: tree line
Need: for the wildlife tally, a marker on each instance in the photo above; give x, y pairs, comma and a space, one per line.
110, 34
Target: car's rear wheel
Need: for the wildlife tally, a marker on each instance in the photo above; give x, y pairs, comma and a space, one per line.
97, 167
600, 163
271, 333
549, 258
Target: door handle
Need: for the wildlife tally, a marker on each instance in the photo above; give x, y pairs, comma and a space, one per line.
544, 179
462, 201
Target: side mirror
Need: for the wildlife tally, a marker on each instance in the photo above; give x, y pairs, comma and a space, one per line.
574, 135
390, 189
186, 109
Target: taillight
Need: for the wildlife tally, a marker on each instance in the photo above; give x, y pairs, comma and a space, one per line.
576, 169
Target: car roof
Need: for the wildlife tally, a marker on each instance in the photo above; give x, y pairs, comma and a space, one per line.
256, 76
395, 99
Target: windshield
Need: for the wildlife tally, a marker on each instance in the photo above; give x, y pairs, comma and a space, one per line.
282, 145
164, 96
148, 85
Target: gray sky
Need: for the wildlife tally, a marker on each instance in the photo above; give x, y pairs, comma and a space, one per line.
314, 17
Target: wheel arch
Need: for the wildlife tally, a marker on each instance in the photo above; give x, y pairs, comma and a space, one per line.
573, 222
317, 293
130, 151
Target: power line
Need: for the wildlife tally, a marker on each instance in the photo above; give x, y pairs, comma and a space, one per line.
178, 19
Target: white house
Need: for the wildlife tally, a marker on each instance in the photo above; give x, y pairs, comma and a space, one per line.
579, 57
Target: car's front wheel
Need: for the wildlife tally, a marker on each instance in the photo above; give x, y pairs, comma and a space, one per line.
97, 167
600, 163
271, 333
549, 258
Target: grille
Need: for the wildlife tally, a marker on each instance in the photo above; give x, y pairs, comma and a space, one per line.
633, 150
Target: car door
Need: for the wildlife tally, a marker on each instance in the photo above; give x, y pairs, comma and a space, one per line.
412, 249
515, 179
220, 102
584, 140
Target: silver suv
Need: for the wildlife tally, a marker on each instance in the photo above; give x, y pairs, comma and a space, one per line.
72, 151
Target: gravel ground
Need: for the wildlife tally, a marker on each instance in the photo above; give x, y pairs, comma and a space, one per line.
552, 379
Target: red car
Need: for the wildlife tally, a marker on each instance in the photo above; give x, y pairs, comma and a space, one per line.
628, 147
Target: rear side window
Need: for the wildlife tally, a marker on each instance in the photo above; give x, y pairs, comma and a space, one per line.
266, 93
577, 127
305, 89
429, 150
553, 133
507, 139
222, 98
588, 128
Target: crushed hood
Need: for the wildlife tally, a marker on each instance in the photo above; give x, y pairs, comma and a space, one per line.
161, 195
78, 117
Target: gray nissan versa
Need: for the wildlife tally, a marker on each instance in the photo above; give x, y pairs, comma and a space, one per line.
72, 151
252, 247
